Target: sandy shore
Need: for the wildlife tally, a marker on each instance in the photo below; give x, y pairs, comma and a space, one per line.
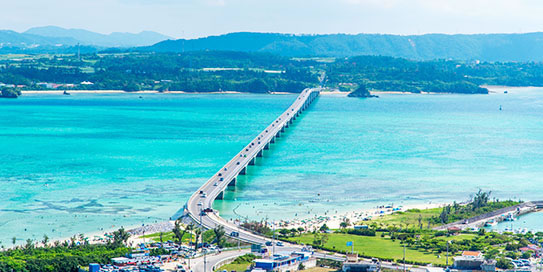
334, 221
117, 91
338, 93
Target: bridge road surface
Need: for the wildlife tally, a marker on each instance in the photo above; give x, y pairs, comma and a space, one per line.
214, 188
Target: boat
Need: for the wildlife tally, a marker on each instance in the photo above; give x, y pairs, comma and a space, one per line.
510, 217
505, 92
491, 223
66, 93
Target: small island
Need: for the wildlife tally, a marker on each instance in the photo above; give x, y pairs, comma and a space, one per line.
361, 92
9, 93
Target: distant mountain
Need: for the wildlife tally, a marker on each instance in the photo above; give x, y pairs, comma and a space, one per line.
10, 38
488, 47
116, 39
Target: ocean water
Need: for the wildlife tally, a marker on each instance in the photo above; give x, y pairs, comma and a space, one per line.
89, 162
531, 221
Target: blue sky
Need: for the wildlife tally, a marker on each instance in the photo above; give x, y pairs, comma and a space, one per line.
197, 18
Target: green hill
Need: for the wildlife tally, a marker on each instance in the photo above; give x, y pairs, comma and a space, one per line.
487, 47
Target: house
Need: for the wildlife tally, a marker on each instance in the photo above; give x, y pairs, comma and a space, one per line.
472, 254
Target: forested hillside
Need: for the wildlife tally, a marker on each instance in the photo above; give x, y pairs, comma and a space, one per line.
216, 71
487, 47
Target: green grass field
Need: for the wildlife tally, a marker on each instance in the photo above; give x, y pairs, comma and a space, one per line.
375, 246
234, 267
409, 218
165, 237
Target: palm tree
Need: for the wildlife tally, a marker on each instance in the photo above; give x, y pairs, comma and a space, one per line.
185, 230
120, 237
197, 233
219, 234
45, 240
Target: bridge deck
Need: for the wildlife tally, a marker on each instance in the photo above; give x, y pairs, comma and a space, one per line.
214, 188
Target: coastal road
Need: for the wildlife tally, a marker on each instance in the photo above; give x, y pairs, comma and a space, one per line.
214, 188
197, 264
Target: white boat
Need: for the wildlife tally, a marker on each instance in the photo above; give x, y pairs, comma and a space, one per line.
491, 223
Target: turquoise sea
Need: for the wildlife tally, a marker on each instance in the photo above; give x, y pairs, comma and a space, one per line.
87, 162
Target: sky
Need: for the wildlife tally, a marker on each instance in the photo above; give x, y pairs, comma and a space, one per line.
199, 18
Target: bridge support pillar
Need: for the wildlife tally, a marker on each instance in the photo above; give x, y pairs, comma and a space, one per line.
252, 161
260, 153
243, 171
221, 195
282, 129
278, 135
272, 140
232, 183
267, 146
287, 124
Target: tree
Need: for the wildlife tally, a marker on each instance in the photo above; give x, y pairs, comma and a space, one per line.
177, 232
161, 237
527, 254
197, 234
45, 240
320, 239
219, 235
10, 93
504, 263
324, 228
131, 86
444, 216
284, 232
120, 237
345, 223
14, 240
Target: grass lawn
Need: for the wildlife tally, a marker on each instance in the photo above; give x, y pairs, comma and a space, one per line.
459, 237
374, 246
408, 218
234, 267
166, 236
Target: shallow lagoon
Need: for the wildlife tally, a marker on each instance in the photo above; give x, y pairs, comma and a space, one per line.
92, 161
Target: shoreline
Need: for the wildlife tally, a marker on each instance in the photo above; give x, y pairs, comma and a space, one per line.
315, 222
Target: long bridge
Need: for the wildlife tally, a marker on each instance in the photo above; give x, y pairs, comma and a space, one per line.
199, 208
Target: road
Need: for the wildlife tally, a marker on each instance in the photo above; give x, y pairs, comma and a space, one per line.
197, 265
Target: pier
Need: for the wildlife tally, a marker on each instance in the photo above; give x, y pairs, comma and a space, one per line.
498, 215
199, 208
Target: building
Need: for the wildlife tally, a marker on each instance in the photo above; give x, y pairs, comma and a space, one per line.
473, 261
360, 267
353, 265
286, 262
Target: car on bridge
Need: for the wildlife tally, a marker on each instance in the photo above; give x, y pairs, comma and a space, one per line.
234, 234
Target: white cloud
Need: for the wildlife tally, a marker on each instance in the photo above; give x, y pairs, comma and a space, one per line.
193, 18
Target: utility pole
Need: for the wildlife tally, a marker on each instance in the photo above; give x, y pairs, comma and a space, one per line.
447, 261
239, 241
404, 270
273, 240
205, 261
